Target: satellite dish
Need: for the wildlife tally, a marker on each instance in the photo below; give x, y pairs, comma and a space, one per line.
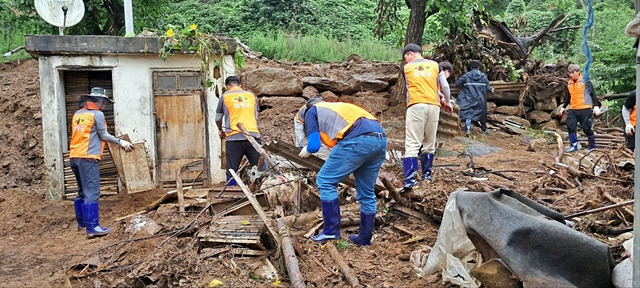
61, 13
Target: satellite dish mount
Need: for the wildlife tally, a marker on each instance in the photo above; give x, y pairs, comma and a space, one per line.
60, 13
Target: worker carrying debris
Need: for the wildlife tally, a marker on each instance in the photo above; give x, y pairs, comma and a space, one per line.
423, 112
88, 137
238, 106
582, 102
629, 116
472, 98
359, 146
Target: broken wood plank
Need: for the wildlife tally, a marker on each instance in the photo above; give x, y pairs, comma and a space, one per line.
290, 152
179, 189
290, 258
256, 205
259, 148
210, 252
135, 168
342, 265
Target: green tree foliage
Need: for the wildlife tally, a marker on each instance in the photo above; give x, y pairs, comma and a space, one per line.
102, 17
613, 68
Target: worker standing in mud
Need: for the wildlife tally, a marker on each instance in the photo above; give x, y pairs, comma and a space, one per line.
359, 146
582, 102
423, 112
88, 137
238, 106
629, 116
472, 98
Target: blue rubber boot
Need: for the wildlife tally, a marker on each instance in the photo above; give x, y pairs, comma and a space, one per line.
77, 206
592, 142
573, 143
367, 222
231, 182
467, 126
426, 160
91, 215
331, 217
410, 167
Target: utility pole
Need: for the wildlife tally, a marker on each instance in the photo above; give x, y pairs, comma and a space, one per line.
636, 179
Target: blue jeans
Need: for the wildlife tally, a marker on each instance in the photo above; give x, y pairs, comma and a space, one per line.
363, 156
87, 175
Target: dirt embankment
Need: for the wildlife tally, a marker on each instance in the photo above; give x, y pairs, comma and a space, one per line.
21, 155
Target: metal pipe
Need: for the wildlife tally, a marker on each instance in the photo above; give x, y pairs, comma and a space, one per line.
128, 18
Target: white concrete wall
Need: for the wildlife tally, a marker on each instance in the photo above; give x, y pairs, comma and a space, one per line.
133, 108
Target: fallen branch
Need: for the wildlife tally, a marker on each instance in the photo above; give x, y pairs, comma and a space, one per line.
625, 203
615, 201
290, 258
342, 265
558, 156
154, 204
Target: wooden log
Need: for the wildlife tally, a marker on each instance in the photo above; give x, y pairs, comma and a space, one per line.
256, 205
342, 265
290, 258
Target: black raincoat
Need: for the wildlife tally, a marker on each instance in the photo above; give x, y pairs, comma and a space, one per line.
471, 99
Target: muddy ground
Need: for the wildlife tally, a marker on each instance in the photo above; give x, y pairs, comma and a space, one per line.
40, 245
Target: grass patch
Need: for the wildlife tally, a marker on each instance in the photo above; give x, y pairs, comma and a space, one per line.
318, 48
12, 38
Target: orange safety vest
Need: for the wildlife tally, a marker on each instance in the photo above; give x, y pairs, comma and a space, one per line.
242, 107
580, 97
422, 81
85, 141
632, 117
335, 118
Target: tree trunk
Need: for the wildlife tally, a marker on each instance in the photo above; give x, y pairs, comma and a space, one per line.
417, 17
115, 18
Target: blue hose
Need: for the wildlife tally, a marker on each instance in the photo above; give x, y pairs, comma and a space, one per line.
585, 45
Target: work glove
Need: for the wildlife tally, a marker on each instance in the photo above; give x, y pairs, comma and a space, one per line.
562, 111
304, 153
629, 129
126, 145
447, 108
596, 111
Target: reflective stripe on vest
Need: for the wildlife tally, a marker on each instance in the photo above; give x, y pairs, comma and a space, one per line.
580, 98
240, 107
422, 82
85, 141
334, 119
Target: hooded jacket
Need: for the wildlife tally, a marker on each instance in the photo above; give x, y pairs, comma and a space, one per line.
471, 99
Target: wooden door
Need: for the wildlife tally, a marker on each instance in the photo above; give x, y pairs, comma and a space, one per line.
180, 134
